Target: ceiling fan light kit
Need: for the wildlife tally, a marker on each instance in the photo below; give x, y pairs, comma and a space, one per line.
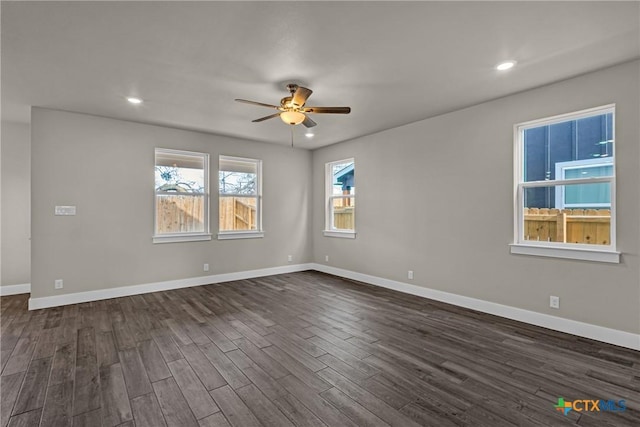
292, 117
292, 108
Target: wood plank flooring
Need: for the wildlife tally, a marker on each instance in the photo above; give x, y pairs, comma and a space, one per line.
302, 349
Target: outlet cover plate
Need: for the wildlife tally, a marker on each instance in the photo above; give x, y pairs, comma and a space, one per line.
65, 210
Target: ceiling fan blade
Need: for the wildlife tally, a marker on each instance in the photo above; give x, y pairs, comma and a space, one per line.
300, 96
327, 110
262, 119
308, 122
261, 104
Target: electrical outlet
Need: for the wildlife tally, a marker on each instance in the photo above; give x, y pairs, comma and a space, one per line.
206, 267
326, 258
410, 274
290, 258
554, 301
58, 284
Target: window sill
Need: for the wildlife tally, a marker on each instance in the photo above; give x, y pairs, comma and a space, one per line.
567, 253
176, 238
230, 235
340, 234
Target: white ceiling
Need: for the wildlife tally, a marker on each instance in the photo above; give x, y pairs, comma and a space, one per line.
392, 62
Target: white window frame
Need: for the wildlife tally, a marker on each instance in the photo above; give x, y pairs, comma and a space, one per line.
601, 253
330, 230
183, 237
258, 233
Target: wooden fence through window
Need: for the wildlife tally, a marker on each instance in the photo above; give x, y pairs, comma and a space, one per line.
237, 213
343, 218
179, 213
185, 213
588, 226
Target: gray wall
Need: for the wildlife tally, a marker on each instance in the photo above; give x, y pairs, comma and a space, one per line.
106, 168
436, 197
16, 190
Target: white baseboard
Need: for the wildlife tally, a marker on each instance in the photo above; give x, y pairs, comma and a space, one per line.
581, 329
79, 297
24, 288
599, 333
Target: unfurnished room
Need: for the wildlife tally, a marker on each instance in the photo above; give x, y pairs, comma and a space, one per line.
319, 213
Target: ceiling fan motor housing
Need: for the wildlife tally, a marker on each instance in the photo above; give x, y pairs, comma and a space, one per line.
286, 102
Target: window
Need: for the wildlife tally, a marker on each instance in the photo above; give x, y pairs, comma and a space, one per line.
239, 182
565, 186
181, 196
340, 199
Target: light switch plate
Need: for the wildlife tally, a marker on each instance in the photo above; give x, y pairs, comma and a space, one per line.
65, 210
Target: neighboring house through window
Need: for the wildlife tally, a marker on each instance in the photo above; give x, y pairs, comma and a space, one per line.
595, 196
181, 196
565, 186
340, 193
240, 193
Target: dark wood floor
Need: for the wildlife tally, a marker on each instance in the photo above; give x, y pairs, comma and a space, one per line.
298, 349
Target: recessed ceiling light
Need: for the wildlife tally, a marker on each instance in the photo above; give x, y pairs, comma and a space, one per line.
506, 65
134, 100
309, 135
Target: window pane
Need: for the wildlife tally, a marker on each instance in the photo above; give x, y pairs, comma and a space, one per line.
540, 197
238, 213
237, 183
238, 176
179, 213
545, 147
181, 192
586, 222
179, 179
343, 211
343, 178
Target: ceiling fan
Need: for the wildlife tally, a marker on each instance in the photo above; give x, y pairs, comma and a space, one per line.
292, 108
